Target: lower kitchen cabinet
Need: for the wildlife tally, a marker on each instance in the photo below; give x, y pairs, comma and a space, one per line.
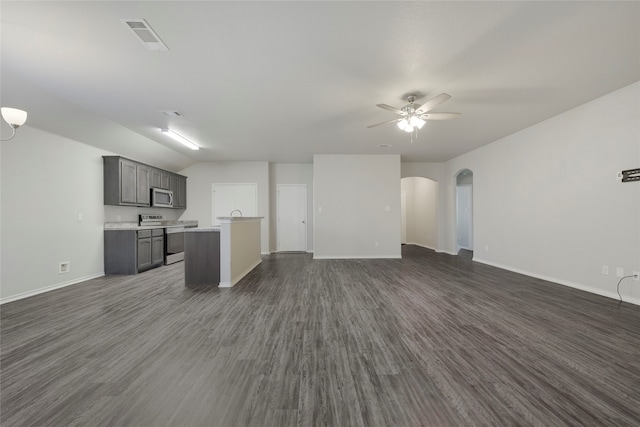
131, 251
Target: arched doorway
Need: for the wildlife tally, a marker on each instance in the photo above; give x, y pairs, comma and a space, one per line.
464, 211
419, 209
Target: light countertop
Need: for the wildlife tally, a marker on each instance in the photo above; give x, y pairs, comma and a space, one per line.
239, 218
133, 225
214, 229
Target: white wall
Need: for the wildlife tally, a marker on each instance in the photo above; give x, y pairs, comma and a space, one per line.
546, 201
202, 175
422, 228
351, 193
47, 181
290, 173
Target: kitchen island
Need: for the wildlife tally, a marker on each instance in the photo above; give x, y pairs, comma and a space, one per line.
238, 252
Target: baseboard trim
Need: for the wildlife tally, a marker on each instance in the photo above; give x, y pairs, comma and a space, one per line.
446, 252
356, 256
422, 246
48, 288
592, 290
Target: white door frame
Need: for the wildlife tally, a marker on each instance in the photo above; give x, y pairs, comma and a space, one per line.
306, 214
403, 215
467, 219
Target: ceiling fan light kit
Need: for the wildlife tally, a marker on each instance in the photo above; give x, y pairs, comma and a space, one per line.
414, 116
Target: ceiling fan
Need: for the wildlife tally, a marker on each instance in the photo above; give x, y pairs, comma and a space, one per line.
414, 116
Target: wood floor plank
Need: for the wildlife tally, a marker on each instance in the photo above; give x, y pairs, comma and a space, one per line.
429, 339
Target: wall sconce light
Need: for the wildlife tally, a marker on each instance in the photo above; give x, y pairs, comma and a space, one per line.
15, 118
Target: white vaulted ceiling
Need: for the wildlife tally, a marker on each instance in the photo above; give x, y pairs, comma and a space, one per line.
281, 81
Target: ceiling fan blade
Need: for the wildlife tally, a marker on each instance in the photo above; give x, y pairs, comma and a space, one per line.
432, 103
388, 122
440, 116
392, 109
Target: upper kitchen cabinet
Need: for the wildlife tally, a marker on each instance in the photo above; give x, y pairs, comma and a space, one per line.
160, 178
178, 184
126, 183
129, 183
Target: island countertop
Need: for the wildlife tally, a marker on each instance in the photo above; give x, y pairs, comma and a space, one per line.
213, 229
239, 218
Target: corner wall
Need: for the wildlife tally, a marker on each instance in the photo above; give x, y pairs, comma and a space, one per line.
47, 181
547, 202
357, 206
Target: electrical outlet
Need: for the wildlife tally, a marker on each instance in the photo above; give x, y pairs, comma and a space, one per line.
620, 272
636, 276
605, 270
65, 267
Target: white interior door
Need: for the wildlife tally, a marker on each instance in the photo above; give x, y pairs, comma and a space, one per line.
292, 218
229, 197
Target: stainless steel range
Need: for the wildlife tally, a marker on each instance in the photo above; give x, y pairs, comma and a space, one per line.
173, 244
173, 237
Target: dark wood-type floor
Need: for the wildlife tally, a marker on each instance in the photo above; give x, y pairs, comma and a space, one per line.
430, 339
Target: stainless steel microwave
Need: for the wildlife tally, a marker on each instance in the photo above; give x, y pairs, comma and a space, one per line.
161, 198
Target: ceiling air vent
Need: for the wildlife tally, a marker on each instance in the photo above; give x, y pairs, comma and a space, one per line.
145, 34
171, 113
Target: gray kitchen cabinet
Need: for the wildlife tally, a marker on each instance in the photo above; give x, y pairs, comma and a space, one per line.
202, 258
157, 249
178, 184
131, 251
144, 250
143, 195
160, 178
126, 183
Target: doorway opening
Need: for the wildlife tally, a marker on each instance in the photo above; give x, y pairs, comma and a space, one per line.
419, 209
464, 213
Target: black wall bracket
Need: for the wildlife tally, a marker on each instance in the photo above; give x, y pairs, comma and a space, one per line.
630, 175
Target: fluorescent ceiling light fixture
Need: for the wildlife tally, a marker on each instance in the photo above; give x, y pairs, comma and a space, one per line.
181, 139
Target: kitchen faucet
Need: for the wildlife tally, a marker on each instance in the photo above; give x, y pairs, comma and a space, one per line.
236, 210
